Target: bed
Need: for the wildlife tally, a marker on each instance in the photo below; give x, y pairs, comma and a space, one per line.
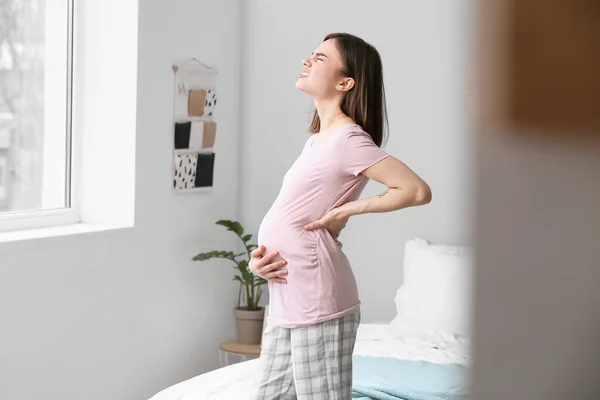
421, 354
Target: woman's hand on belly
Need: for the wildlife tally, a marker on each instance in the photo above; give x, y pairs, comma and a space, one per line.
262, 265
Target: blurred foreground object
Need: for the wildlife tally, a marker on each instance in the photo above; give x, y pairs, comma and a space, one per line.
553, 64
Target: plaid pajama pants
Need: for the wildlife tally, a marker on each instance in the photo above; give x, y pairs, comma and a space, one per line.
313, 363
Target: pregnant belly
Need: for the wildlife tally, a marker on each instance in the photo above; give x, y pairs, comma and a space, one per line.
287, 237
319, 279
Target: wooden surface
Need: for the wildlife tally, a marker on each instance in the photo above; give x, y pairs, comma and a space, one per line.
553, 62
232, 346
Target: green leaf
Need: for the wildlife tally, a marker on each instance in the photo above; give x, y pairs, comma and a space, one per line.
246, 274
232, 226
260, 281
257, 298
224, 222
214, 254
249, 283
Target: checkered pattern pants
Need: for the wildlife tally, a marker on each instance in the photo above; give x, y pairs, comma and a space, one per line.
313, 363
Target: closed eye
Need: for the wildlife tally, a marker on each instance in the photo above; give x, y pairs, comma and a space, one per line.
319, 56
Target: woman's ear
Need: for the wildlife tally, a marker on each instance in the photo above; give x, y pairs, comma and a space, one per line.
345, 85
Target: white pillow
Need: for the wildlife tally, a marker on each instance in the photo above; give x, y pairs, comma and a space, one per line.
436, 291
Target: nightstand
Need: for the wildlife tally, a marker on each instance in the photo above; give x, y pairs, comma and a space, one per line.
235, 350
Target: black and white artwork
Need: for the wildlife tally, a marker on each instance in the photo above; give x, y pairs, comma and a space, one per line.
210, 102
194, 126
186, 166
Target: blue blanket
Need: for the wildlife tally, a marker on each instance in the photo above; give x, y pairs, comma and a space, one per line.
380, 378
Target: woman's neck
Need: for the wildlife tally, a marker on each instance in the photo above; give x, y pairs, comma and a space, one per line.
331, 116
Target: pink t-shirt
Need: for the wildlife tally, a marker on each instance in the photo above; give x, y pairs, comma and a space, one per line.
320, 283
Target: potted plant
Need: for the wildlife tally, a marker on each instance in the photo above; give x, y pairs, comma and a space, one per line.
248, 315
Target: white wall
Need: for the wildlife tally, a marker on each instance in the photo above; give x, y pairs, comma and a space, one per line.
422, 44
122, 314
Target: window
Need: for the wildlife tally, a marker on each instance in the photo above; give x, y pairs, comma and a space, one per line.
36, 53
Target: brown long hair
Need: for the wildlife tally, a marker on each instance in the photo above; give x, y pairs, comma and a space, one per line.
365, 102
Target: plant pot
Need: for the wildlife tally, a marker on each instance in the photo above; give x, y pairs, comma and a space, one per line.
249, 325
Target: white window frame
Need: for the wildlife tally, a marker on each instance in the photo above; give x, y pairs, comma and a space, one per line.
57, 128
103, 149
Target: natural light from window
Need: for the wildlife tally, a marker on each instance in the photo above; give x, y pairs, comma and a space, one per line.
35, 107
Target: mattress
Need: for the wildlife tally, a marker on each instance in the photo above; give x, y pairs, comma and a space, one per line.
373, 340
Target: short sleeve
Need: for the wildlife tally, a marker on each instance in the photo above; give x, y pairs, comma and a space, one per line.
308, 142
360, 152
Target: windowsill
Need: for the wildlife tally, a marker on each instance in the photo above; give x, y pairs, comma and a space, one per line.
102, 180
54, 231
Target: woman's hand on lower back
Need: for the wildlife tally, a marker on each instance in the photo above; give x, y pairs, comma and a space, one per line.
334, 221
262, 265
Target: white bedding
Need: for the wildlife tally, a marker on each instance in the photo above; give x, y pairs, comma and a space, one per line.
381, 340
235, 381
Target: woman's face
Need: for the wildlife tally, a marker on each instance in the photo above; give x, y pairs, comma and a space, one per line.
320, 74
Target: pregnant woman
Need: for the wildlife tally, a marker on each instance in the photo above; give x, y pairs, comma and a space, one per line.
314, 307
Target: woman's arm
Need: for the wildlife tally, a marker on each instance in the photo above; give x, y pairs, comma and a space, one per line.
405, 189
